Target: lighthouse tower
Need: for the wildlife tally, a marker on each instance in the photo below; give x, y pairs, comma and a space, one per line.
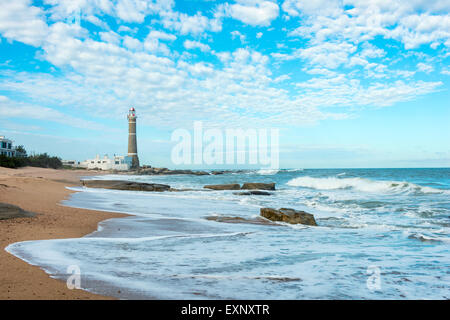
132, 144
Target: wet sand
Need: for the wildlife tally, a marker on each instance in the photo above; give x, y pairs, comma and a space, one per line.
39, 191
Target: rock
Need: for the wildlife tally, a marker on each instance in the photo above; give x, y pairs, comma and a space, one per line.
233, 186
216, 172
258, 186
9, 211
165, 171
200, 173
253, 192
288, 215
125, 185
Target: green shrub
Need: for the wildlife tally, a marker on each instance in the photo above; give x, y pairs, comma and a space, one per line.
39, 160
12, 162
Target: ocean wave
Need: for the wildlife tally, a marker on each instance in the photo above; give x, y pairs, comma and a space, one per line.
267, 171
361, 184
274, 171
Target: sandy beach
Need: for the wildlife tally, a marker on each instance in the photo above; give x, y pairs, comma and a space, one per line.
39, 191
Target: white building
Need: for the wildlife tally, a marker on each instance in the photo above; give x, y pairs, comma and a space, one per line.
120, 163
6, 147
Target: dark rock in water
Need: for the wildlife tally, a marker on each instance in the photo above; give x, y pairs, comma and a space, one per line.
8, 211
233, 186
288, 215
253, 192
166, 171
227, 219
258, 186
125, 185
196, 173
216, 172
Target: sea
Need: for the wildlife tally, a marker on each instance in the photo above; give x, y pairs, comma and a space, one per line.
381, 234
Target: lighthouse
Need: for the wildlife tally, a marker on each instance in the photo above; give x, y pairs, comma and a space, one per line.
132, 144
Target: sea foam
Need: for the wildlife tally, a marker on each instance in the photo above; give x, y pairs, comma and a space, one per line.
360, 184
267, 171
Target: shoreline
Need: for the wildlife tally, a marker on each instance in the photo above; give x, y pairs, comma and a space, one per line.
40, 191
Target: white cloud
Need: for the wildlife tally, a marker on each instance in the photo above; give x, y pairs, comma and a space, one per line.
424, 67
97, 22
154, 46
110, 37
132, 43
105, 76
281, 78
123, 28
22, 22
327, 54
253, 12
236, 34
342, 90
394, 19
186, 24
189, 44
131, 10
161, 35
316, 7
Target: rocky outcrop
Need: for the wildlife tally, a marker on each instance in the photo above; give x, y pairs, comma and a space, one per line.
288, 215
166, 171
253, 192
258, 186
216, 172
8, 211
125, 185
233, 186
246, 186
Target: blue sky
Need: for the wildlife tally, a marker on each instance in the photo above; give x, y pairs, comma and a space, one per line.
348, 83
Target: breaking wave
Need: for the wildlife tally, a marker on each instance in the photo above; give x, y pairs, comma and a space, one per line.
360, 184
267, 171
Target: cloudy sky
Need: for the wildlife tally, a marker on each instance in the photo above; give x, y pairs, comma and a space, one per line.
349, 83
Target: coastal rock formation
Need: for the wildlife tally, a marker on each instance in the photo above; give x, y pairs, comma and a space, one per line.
216, 172
166, 171
8, 211
258, 186
246, 186
125, 185
233, 186
253, 192
288, 215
